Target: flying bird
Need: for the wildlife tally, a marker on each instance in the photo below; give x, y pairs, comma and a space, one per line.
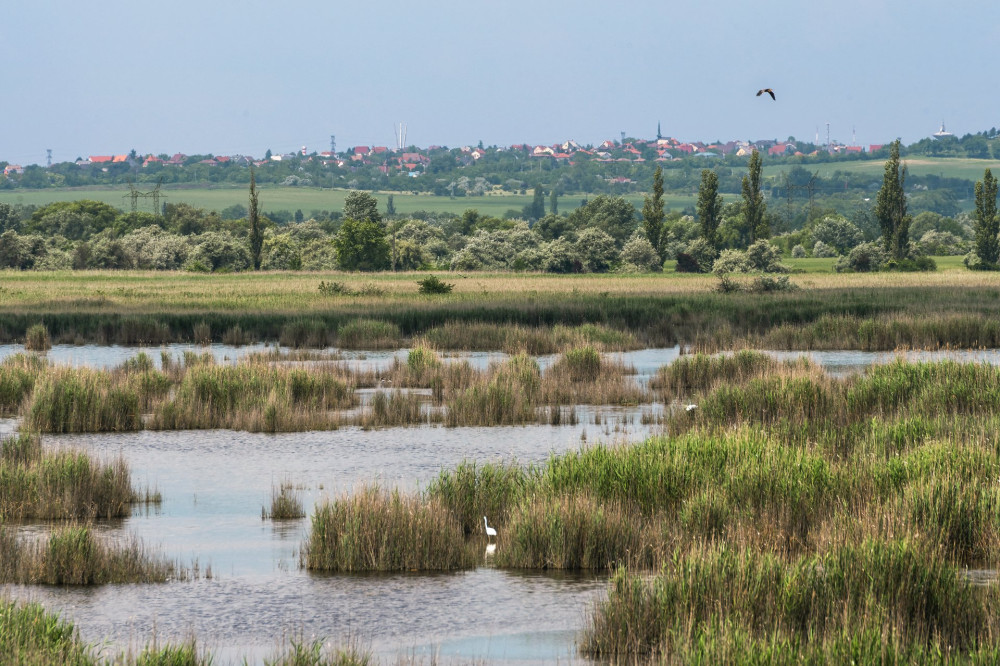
765, 90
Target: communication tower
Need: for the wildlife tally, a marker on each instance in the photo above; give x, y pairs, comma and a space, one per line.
333, 144
48, 157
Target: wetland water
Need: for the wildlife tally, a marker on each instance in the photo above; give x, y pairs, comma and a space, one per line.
214, 484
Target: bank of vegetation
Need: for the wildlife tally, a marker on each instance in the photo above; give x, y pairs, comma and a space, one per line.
790, 515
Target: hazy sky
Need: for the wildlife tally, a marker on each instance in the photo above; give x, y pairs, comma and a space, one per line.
225, 77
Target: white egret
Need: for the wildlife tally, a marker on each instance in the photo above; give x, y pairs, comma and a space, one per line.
490, 532
690, 408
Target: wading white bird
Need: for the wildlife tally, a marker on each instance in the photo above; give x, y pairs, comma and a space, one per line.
490, 532
690, 408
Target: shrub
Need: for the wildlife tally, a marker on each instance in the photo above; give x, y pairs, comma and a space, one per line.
731, 261
822, 250
432, 284
764, 257
864, 258
798, 252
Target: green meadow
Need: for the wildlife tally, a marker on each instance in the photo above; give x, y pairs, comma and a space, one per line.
307, 199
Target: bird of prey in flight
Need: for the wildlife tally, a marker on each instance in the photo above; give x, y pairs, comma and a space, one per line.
765, 90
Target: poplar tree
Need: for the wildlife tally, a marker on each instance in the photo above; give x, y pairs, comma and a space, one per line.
890, 207
987, 222
709, 206
754, 219
652, 210
256, 232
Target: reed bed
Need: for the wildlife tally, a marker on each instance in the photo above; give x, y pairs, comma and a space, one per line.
376, 530
513, 338
82, 400
253, 397
32, 636
708, 602
73, 555
38, 484
17, 379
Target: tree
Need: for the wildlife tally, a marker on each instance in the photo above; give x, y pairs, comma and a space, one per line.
890, 207
256, 233
361, 245
652, 210
987, 222
390, 207
755, 223
553, 202
536, 209
709, 206
360, 206
614, 215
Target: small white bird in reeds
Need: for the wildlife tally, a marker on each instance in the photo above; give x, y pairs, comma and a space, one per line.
490, 532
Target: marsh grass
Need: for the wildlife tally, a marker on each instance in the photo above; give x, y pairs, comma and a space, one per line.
73, 555
302, 652
40, 484
253, 397
30, 635
377, 530
708, 598
68, 399
36, 338
369, 334
473, 490
286, 503
513, 338
17, 379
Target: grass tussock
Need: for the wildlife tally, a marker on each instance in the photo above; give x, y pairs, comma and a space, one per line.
286, 504
75, 556
376, 530
39, 484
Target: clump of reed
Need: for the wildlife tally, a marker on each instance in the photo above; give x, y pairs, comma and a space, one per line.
581, 375
82, 400
700, 372
37, 484
513, 338
305, 333
286, 504
30, 635
376, 530
36, 338
255, 397
368, 334
705, 601
18, 374
392, 408
73, 555
302, 652
509, 396
569, 532
471, 491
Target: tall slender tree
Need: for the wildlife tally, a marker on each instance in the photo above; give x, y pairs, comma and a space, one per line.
709, 206
256, 232
754, 209
890, 207
987, 222
652, 210
553, 201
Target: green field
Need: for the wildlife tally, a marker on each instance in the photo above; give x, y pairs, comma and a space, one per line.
947, 167
308, 199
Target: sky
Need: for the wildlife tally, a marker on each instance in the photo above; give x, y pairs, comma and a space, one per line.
226, 77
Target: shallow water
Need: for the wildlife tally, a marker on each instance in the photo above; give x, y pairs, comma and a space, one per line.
214, 484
